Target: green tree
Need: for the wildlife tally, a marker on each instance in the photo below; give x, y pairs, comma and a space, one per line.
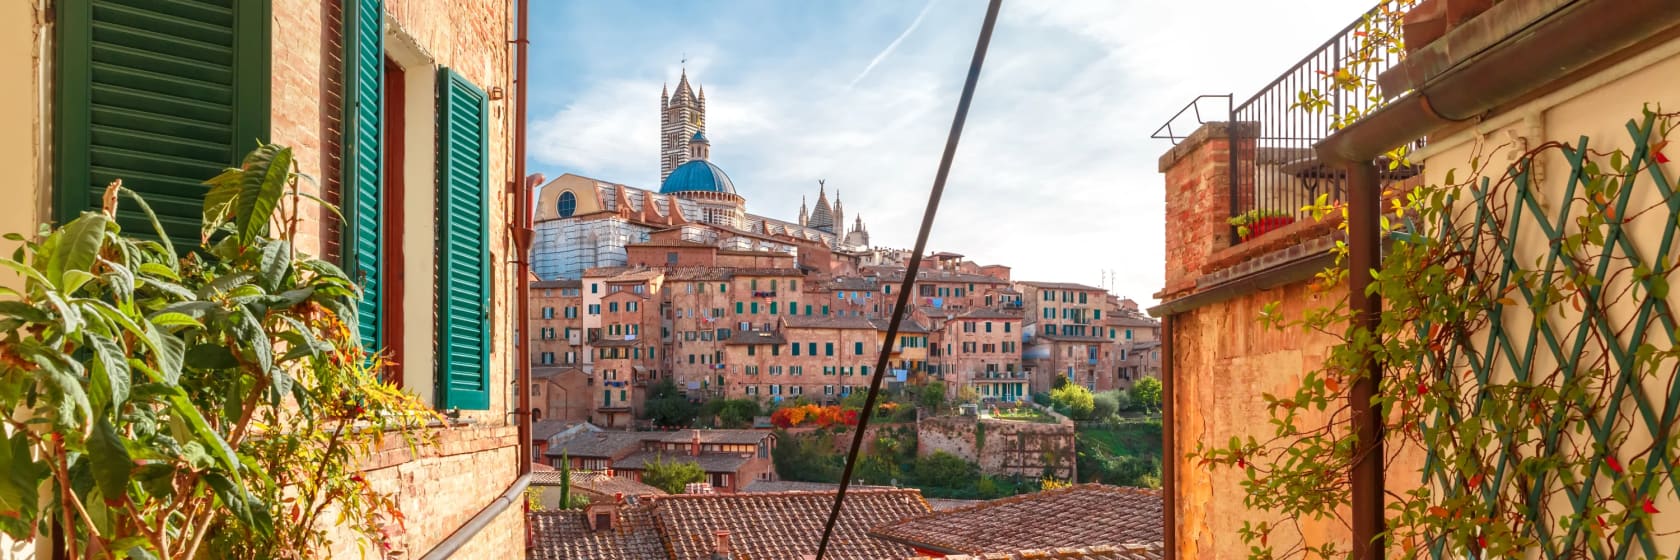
1075, 399
565, 480
944, 470
1059, 382
968, 395
932, 396
666, 405
671, 476
731, 413
1147, 393
1106, 404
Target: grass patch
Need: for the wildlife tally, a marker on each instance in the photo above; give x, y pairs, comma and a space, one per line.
1024, 414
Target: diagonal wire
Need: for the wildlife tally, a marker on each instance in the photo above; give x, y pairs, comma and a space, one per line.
911, 271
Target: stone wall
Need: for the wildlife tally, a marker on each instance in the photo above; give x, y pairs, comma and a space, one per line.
1002, 447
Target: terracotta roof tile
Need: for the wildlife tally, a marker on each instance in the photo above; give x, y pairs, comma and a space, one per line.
785, 525
1104, 552
1081, 515
565, 535
597, 444
596, 482
709, 462
828, 322
1063, 286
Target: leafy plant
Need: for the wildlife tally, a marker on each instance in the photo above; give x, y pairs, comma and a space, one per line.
1246, 221
671, 476
211, 405
1146, 393
1074, 400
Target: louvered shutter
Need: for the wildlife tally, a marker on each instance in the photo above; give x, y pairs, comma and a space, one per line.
162, 94
463, 237
364, 77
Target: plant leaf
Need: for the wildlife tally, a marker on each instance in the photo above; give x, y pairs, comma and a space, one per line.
260, 188
110, 461
273, 265
111, 378
77, 246
20, 478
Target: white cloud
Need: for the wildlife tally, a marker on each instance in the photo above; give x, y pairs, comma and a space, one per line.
893, 45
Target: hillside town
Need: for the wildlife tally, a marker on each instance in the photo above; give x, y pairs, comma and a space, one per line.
396, 279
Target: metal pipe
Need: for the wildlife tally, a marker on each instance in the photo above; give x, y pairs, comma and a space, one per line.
1169, 443
1364, 231
522, 242
465, 534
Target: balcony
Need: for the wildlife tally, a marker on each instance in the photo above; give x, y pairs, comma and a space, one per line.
1275, 171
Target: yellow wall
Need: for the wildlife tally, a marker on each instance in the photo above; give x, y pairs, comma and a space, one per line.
22, 111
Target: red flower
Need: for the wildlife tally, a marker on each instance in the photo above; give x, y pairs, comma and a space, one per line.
1614, 465
1650, 508
1481, 542
1661, 158
1423, 388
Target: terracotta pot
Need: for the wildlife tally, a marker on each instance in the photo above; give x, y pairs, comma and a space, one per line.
1270, 223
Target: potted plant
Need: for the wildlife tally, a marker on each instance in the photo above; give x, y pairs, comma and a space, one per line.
1255, 223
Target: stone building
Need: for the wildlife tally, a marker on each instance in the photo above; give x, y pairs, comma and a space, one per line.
731, 458
1066, 336
362, 91
556, 327
820, 358
982, 350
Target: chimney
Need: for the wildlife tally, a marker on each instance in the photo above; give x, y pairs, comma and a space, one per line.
720, 548
694, 447
618, 498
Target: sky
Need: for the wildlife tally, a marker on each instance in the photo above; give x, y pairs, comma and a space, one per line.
1055, 176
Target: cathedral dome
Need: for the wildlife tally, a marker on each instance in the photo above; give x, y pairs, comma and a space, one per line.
697, 175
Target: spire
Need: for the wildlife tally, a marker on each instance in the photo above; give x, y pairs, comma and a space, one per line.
802, 215
685, 92
822, 217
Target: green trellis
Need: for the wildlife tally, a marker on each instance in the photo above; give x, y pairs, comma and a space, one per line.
1609, 370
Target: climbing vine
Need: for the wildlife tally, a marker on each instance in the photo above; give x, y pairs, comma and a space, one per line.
1529, 377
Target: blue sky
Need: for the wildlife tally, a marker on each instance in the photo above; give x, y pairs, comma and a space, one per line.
1056, 175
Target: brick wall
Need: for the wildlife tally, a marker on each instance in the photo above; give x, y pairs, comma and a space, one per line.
1198, 203
440, 487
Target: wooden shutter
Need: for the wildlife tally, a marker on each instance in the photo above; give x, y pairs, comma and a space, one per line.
364, 65
162, 94
463, 252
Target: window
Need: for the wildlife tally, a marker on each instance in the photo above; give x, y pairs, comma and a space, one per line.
754, 307
752, 350
594, 309
594, 288
612, 307
740, 308
568, 204
988, 326
1006, 327
772, 308
723, 288
793, 308
671, 258
829, 349
857, 348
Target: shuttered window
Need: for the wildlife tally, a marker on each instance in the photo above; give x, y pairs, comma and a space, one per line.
162, 94
463, 257
364, 63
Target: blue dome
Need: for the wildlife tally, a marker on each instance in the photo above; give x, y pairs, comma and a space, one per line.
697, 175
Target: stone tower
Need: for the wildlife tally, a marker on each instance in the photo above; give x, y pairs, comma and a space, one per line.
682, 115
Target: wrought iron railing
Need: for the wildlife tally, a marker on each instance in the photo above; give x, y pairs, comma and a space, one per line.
1275, 173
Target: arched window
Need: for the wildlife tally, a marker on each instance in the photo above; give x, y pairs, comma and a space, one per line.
568, 204
536, 414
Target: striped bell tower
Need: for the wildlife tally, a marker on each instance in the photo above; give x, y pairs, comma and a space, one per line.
682, 114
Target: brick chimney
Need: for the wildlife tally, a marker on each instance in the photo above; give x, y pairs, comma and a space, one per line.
694, 445
720, 546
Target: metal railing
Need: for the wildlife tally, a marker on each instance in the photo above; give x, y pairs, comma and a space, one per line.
1275, 171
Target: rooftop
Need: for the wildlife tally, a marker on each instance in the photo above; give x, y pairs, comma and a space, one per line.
597, 482
1062, 286
761, 526
712, 462
1080, 515
597, 444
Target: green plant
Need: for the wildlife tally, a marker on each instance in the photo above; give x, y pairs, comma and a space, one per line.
666, 406
671, 476
214, 405
1146, 393
1523, 371
944, 470
1245, 220
565, 480
1074, 400
731, 413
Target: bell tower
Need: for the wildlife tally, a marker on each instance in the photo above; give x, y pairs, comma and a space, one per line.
682, 115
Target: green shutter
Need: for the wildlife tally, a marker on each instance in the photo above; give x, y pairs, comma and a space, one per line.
364, 77
463, 231
161, 94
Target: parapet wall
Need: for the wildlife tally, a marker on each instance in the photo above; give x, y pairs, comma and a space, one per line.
1002, 447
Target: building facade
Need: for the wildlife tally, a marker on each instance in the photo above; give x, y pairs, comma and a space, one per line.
361, 90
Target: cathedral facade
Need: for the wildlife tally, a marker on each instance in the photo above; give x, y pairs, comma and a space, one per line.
583, 223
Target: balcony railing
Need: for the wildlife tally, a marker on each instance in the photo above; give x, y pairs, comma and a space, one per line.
1275, 172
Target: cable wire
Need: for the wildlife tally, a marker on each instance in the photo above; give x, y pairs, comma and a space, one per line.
910, 272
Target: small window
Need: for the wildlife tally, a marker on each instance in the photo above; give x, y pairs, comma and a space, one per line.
671, 258
568, 204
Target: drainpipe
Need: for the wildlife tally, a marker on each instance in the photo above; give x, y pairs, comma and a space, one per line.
522, 240
1568, 40
1169, 443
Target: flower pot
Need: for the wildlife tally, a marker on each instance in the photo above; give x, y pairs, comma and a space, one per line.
1262, 225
